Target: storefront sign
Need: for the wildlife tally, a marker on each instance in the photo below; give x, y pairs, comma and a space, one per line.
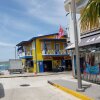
47, 58
58, 58
67, 57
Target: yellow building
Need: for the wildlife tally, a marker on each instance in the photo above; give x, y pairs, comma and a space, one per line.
44, 53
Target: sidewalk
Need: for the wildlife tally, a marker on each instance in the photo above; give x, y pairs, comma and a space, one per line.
92, 91
32, 74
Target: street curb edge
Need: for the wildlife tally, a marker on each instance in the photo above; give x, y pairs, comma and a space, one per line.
72, 92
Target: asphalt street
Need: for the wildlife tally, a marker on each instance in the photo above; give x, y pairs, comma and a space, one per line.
32, 88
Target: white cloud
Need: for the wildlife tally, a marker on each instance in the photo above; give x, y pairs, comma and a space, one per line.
15, 23
51, 12
39, 34
35, 16
6, 44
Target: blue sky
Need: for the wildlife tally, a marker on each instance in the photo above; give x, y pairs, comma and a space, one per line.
22, 19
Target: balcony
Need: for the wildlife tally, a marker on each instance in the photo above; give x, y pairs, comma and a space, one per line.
54, 52
25, 55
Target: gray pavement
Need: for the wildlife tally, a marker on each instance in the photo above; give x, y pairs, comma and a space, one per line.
32, 74
38, 89
91, 90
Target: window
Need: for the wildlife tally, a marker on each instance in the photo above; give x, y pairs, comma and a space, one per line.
57, 46
48, 45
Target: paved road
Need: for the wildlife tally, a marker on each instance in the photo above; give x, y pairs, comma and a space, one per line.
39, 89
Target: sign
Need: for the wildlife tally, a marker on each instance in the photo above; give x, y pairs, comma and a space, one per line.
67, 58
58, 58
47, 58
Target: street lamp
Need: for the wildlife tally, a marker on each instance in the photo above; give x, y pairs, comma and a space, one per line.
76, 46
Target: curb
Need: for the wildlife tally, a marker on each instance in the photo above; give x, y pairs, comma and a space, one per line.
72, 92
30, 75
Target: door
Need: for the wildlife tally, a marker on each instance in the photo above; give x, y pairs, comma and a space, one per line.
57, 47
41, 69
68, 65
47, 66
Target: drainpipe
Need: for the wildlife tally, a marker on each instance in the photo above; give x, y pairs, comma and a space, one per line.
36, 55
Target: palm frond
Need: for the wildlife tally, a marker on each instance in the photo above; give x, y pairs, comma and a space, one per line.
90, 15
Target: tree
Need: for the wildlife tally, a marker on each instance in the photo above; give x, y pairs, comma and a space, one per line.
90, 15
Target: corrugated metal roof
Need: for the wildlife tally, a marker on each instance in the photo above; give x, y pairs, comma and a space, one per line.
94, 39
23, 42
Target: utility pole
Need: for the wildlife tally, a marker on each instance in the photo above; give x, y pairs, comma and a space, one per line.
76, 46
15, 52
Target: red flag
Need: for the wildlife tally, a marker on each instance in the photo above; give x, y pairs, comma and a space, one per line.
61, 33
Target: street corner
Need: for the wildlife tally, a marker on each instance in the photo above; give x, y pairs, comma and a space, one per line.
70, 91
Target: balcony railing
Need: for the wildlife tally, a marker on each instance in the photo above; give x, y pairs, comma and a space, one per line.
23, 54
54, 52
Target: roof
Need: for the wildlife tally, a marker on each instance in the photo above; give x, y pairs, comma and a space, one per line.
86, 41
24, 42
42, 36
90, 33
70, 46
90, 40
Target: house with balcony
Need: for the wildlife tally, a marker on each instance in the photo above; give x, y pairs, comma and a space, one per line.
44, 53
89, 44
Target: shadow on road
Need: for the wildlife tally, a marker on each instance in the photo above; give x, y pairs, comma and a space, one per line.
2, 94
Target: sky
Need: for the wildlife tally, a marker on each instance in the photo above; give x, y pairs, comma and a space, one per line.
23, 19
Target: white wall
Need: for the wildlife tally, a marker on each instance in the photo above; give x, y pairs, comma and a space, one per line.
71, 27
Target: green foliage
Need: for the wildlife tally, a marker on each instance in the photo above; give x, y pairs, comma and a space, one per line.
90, 15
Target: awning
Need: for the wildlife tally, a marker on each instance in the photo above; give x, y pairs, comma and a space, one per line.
22, 43
90, 40
94, 39
70, 46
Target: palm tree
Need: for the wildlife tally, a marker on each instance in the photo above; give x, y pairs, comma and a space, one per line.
90, 15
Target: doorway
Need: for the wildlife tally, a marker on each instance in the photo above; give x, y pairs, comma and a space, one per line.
47, 66
57, 47
68, 64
